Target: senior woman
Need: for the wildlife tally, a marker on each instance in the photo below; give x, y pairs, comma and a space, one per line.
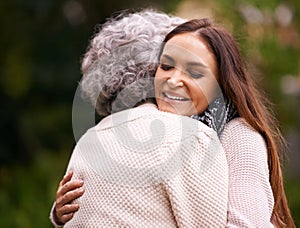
141, 167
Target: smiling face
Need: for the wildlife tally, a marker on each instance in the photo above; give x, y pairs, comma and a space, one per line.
186, 79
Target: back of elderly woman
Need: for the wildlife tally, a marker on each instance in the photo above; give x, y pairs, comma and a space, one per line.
140, 167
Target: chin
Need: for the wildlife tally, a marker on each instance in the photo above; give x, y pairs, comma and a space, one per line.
166, 108
172, 110
182, 110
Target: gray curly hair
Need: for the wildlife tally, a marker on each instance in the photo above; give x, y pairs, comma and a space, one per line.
121, 60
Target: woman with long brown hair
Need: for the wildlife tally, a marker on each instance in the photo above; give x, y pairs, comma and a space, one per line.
248, 184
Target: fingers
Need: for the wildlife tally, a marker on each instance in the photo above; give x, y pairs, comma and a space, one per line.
70, 195
66, 178
67, 217
69, 186
64, 209
67, 209
68, 191
66, 213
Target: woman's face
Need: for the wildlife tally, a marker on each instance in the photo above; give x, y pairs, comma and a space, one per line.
186, 79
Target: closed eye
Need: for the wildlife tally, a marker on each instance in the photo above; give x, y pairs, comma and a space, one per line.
195, 74
166, 67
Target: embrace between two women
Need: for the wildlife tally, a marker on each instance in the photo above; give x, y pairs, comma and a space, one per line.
186, 140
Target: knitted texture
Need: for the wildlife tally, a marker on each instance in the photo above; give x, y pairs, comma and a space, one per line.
146, 168
250, 195
250, 202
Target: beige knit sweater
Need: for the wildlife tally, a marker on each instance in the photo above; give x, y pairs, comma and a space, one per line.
146, 168
250, 197
179, 199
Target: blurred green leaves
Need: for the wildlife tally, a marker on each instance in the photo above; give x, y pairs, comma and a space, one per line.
17, 71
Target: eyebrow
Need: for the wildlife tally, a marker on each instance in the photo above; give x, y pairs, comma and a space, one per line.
189, 63
168, 57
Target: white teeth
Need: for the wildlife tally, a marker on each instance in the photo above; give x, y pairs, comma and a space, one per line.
174, 98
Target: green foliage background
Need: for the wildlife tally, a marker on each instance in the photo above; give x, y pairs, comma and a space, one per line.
41, 46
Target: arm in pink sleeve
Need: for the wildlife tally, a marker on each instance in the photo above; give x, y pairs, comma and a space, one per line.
250, 195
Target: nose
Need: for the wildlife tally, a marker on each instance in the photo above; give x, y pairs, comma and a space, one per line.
175, 79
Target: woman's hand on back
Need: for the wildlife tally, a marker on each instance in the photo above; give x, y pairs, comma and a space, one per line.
68, 191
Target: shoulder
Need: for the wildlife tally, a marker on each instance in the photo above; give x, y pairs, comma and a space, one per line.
238, 130
239, 139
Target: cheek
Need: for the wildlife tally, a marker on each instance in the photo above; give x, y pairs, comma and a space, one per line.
209, 89
159, 79
199, 97
200, 101
160, 74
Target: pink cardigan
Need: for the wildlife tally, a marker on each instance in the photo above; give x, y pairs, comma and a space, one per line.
150, 169
179, 202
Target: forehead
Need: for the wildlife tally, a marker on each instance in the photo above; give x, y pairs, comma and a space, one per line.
189, 48
189, 42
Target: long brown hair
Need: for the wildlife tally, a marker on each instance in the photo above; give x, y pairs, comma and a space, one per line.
237, 84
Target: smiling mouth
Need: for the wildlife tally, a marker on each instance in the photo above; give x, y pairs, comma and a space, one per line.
175, 98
